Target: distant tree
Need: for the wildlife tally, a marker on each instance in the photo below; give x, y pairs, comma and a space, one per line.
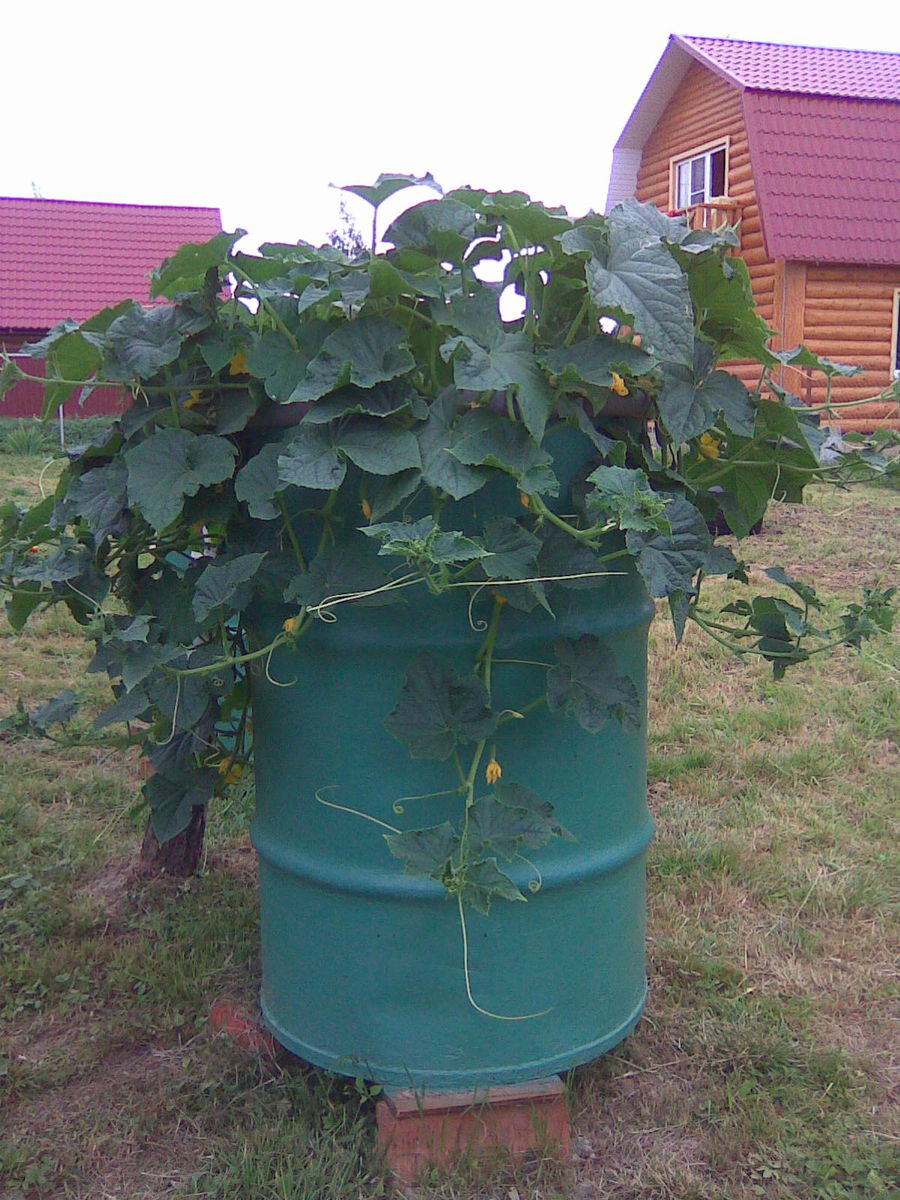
347, 236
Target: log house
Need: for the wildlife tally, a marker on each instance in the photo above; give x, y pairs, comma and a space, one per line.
800, 147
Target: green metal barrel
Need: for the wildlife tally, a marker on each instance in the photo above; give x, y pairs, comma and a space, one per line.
363, 965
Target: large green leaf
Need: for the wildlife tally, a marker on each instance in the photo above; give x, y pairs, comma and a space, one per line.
273, 359
310, 460
443, 228
649, 219
724, 301
222, 585
379, 447
726, 394
594, 359
668, 562
522, 797
65, 562
257, 482
383, 400
130, 706
340, 570
385, 279
142, 660
502, 828
625, 496
799, 356
486, 439
504, 360
512, 550
437, 438
234, 410
172, 464
587, 684
486, 882
172, 803
72, 357
186, 270
475, 316
532, 222
99, 497
437, 709
423, 541
386, 185
24, 600
425, 851
641, 283
385, 495
141, 341
691, 398
58, 711
747, 490
363, 352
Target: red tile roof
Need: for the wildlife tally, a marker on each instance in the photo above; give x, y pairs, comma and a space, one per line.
69, 258
827, 174
811, 70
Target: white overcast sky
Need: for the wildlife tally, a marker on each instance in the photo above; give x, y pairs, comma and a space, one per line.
256, 107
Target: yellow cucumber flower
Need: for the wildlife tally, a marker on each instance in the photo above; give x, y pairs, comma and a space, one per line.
230, 774
492, 771
709, 446
238, 364
618, 385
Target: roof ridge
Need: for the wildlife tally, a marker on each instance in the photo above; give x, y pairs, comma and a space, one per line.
704, 37
110, 204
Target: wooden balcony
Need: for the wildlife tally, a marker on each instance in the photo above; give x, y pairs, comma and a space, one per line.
714, 214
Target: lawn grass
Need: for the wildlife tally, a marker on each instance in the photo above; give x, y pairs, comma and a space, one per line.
768, 1063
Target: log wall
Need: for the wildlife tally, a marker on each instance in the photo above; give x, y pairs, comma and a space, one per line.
707, 109
848, 317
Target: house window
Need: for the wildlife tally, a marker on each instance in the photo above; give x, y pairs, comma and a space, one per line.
895, 337
699, 178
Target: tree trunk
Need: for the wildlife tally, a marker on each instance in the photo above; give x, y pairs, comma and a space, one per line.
181, 854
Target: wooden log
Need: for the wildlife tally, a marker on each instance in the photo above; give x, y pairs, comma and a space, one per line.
836, 274
868, 362
851, 312
855, 289
857, 425
857, 339
840, 343
854, 324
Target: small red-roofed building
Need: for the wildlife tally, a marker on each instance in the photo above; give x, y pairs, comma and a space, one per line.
70, 258
802, 146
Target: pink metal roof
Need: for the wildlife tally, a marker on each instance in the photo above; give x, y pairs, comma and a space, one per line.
69, 258
860, 74
827, 173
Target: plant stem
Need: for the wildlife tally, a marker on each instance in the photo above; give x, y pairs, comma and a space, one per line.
263, 303
298, 553
576, 324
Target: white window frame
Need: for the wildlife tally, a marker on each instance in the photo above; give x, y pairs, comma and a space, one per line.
704, 152
895, 336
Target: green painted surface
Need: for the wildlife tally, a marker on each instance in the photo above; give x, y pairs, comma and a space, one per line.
363, 966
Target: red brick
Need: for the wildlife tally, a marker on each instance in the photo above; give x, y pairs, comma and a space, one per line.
240, 1027
422, 1129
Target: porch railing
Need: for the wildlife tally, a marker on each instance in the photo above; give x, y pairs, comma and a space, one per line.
712, 214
